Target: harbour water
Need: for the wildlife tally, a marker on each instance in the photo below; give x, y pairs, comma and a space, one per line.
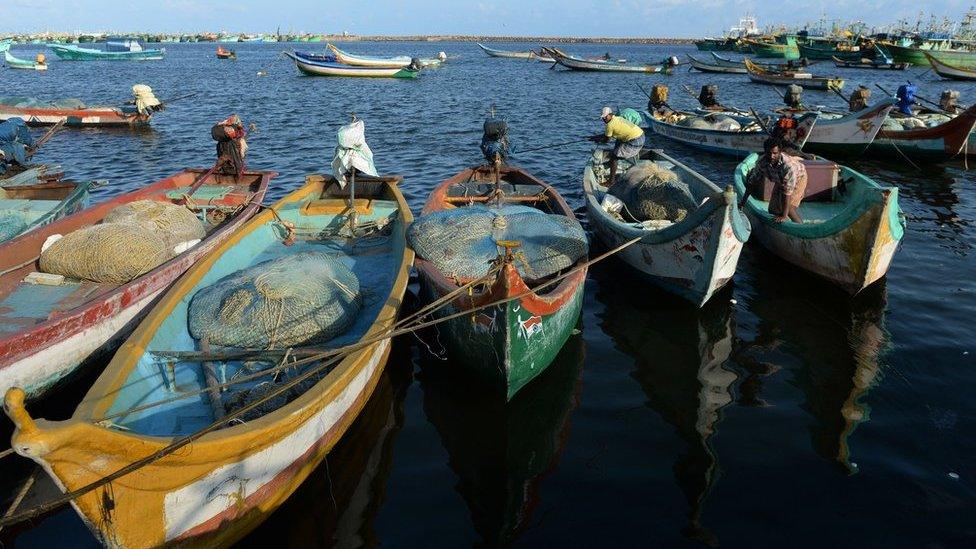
781, 413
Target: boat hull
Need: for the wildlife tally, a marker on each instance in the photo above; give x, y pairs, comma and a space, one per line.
103, 117
951, 72
317, 68
74, 53
739, 144
706, 67
507, 54
369, 61
936, 144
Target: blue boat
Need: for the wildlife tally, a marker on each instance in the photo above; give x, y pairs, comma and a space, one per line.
116, 49
317, 65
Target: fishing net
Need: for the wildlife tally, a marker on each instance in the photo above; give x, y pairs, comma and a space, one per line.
461, 242
11, 225
651, 192
300, 299
112, 253
719, 122
173, 223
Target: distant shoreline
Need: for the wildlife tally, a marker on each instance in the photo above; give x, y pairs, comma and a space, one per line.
490, 39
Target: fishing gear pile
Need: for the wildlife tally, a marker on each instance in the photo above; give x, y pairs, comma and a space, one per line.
462, 242
300, 299
654, 193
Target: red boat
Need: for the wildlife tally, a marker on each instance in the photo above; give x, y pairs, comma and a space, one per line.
88, 116
225, 54
48, 331
941, 143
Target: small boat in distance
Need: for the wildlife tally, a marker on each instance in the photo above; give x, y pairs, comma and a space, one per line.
529, 54
223, 53
313, 67
38, 64
948, 71
581, 64
762, 75
705, 66
116, 49
73, 112
884, 64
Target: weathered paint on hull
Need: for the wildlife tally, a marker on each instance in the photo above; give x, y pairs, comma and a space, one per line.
508, 345
96, 117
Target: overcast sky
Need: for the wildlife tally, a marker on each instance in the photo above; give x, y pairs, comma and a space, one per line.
631, 18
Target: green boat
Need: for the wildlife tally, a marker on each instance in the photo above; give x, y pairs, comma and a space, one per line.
120, 49
30, 200
851, 226
514, 330
784, 47
940, 50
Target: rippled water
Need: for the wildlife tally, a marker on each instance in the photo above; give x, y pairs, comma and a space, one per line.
781, 413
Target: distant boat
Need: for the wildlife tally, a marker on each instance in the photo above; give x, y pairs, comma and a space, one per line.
116, 49
508, 54
951, 72
581, 64
73, 112
15, 63
884, 64
761, 75
312, 67
383, 62
705, 66
225, 54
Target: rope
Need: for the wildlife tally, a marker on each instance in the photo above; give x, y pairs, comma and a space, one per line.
20, 496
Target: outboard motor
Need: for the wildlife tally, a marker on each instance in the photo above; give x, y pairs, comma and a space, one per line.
906, 98
947, 101
859, 99
659, 98
708, 97
793, 97
494, 139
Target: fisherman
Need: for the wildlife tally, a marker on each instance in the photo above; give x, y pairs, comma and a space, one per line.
629, 137
947, 101
906, 98
859, 99
708, 98
231, 145
16, 144
787, 176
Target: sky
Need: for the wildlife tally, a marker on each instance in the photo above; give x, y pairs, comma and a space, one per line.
618, 18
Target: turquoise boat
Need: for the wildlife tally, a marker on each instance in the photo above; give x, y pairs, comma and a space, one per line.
851, 227
116, 49
34, 201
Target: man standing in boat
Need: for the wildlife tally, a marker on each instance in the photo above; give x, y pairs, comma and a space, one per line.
629, 137
788, 178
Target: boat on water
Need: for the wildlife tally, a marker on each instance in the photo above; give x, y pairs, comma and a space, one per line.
116, 49
705, 66
309, 65
581, 64
73, 112
884, 64
806, 80
48, 331
851, 225
720, 61
917, 55
511, 342
240, 472
844, 51
938, 143
693, 257
948, 71
784, 46
36, 197
733, 140
400, 61
38, 64
223, 53
527, 54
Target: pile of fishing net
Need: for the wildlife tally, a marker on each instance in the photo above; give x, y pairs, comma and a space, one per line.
462, 242
652, 193
132, 240
32, 102
916, 122
300, 299
715, 121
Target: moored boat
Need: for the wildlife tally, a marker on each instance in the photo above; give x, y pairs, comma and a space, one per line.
885, 64
733, 142
581, 64
693, 257
939, 143
951, 72
792, 64
851, 229
529, 54
116, 49
917, 56
784, 78
399, 61
783, 47
49, 330
33, 199
75, 113
223, 53
39, 63
314, 67
511, 342
243, 469
705, 66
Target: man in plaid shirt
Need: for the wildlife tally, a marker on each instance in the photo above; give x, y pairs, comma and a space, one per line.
789, 179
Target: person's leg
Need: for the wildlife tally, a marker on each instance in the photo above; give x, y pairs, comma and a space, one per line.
794, 214
613, 171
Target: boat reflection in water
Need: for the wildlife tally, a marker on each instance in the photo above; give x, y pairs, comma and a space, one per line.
834, 345
501, 452
681, 359
338, 503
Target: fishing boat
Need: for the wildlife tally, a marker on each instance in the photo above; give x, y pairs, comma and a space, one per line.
720, 61
223, 53
48, 331
693, 257
917, 56
529, 54
509, 343
73, 113
852, 225
950, 71
383, 62
313, 67
38, 64
244, 468
885, 64
581, 64
738, 142
35, 198
939, 143
783, 47
705, 66
849, 52
116, 49
785, 78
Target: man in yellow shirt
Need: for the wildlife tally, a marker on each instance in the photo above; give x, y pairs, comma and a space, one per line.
629, 137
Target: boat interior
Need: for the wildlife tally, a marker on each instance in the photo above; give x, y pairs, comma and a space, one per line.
31, 202
314, 219
25, 302
514, 186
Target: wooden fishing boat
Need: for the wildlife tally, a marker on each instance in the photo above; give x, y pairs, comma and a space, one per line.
225, 53
238, 474
116, 49
849, 52
693, 258
76, 116
47, 332
720, 61
512, 343
935, 144
887, 64
739, 143
507, 54
919, 56
16, 63
783, 47
785, 78
325, 68
704, 66
28, 204
580, 64
368, 60
849, 238
950, 71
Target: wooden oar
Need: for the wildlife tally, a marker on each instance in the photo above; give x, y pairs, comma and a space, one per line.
46, 137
